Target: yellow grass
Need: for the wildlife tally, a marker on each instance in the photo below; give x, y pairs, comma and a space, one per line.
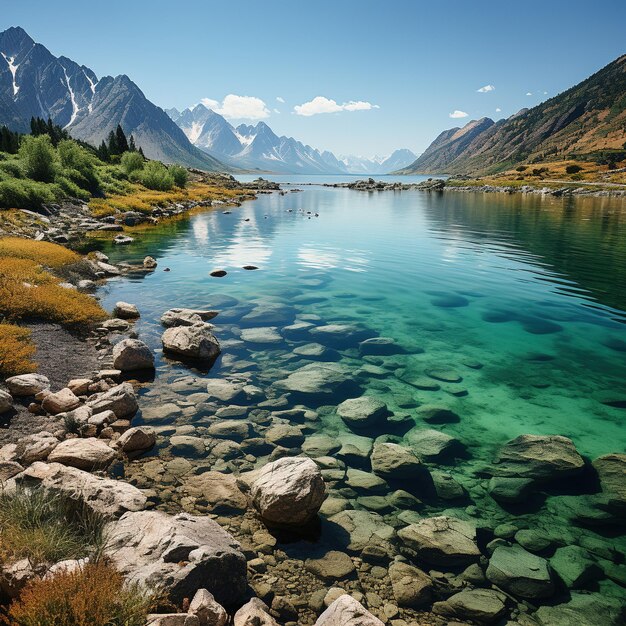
16, 351
144, 200
48, 254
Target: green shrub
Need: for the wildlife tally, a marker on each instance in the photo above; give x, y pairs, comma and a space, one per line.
179, 174
38, 157
12, 168
131, 162
521, 168
71, 189
25, 194
156, 176
79, 165
573, 169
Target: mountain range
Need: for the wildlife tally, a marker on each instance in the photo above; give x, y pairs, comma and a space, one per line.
35, 83
587, 118
258, 147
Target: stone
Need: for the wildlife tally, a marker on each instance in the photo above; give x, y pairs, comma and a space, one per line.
323, 379
180, 554
584, 609
411, 586
106, 496
444, 375
187, 445
224, 390
541, 457
27, 384
509, 490
434, 414
149, 263
521, 573
261, 335
533, 540
346, 611
86, 454
14, 576
193, 342
125, 311
288, 491
269, 314
165, 412
237, 430
395, 462
35, 447
6, 401
60, 402
363, 412
218, 492
254, 613
8, 469
378, 346
354, 448
171, 619
611, 469
364, 529
311, 351
285, 435
333, 565
574, 566
446, 487
442, 541
433, 445
137, 439
80, 386
116, 324
120, 399
132, 354
366, 482
483, 606
186, 317
320, 445
208, 611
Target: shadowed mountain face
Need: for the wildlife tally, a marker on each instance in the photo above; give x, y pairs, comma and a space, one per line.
588, 117
35, 83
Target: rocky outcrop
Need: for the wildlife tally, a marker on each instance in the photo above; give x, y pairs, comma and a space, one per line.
192, 342
289, 491
181, 554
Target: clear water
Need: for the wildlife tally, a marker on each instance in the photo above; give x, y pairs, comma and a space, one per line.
533, 289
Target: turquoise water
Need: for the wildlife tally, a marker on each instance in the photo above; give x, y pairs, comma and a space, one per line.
522, 298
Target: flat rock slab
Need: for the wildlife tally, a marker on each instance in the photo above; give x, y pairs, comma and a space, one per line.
333, 565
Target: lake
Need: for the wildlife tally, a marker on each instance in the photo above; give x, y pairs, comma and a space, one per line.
508, 311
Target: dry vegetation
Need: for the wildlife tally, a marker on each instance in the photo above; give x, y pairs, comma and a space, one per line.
47, 254
16, 351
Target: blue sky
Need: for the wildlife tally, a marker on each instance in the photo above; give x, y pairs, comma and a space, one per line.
389, 73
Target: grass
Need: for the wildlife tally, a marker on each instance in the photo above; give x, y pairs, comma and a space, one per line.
96, 595
46, 528
16, 351
47, 254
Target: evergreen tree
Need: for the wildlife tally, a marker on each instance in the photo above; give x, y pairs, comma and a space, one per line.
122, 142
141, 152
131, 144
112, 144
103, 152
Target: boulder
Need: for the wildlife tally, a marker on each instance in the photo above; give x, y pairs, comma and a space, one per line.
261, 335
379, 346
180, 554
334, 565
346, 611
225, 390
339, 335
269, 314
433, 445
137, 439
411, 586
120, 399
574, 566
254, 613
323, 379
363, 529
218, 492
285, 435
8, 469
6, 401
80, 386
483, 606
611, 469
434, 414
60, 402
584, 609
186, 317
108, 497
125, 311
86, 454
362, 413
442, 541
171, 619
149, 263
35, 447
132, 354
395, 462
509, 490
27, 384
116, 324
193, 342
289, 491
540, 457
521, 573
208, 611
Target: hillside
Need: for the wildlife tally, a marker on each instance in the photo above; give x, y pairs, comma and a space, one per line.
585, 119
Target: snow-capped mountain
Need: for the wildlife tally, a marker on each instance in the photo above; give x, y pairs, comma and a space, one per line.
35, 83
378, 164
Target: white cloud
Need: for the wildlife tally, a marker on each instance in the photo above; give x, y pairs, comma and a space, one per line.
529, 93
320, 104
276, 111
498, 110
458, 114
239, 107
279, 99
545, 93
486, 89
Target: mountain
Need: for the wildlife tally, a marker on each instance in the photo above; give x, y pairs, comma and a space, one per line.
35, 83
378, 165
588, 117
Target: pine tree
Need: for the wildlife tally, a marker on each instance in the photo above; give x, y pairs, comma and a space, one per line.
131, 144
122, 142
112, 144
141, 152
103, 152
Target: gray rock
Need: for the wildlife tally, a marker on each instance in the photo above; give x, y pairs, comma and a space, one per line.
208, 611
379, 346
447, 487
218, 491
575, 567
316, 379
333, 565
35, 447
483, 606
194, 342
132, 354
289, 491
60, 402
346, 611
254, 613
237, 430
311, 351
363, 412
442, 541
395, 462
27, 384
125, 311
364, 528
584, 609
120, 399
521, 573
116, 324
224, 390
509, 490
611, 469
411, 586
171, 619
149, 263
320, 445
261, 335
432, 445
269, 314
86, 454
181, 554
186, 317
6, 401
285, 435
137, 439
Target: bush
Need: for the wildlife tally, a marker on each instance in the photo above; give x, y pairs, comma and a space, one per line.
521, 168
79, 165
16, 351
131, 162
46, 528
12, 168
95, 595
573, 169
179, 174
38, 156
25, 194
156, 176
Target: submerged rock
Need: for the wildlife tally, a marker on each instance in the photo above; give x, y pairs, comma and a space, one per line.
509, 490
433, 445
316, 379
137, 439
483, 606
180, 554
333, 565
611, 469
395, 462
186, 317
194, 342
584, 609
411, 586
289, 491
574, 566
363, 528
363, 412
